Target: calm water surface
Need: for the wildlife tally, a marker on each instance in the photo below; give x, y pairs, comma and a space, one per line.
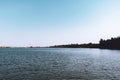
59, 64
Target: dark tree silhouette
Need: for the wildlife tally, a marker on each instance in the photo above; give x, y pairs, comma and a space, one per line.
113, 43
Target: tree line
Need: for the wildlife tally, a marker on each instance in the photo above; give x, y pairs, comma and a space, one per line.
113, 43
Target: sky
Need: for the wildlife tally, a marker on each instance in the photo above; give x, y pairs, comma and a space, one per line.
56, 22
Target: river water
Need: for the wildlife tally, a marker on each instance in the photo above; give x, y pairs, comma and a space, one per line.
59, 64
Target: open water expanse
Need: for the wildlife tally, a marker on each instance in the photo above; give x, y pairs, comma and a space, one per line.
59, 64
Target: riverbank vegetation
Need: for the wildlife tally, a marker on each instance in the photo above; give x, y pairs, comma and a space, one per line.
113, 43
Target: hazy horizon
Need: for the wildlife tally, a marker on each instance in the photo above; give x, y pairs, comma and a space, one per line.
54, 22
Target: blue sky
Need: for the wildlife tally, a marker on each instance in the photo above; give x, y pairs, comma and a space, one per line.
53, 22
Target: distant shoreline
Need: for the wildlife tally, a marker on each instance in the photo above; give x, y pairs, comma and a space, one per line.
113, 44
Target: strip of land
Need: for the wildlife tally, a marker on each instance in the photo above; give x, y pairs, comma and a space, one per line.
113, 43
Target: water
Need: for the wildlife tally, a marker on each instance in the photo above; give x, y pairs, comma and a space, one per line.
59, 64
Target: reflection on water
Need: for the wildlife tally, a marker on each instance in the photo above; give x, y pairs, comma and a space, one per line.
59, 63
